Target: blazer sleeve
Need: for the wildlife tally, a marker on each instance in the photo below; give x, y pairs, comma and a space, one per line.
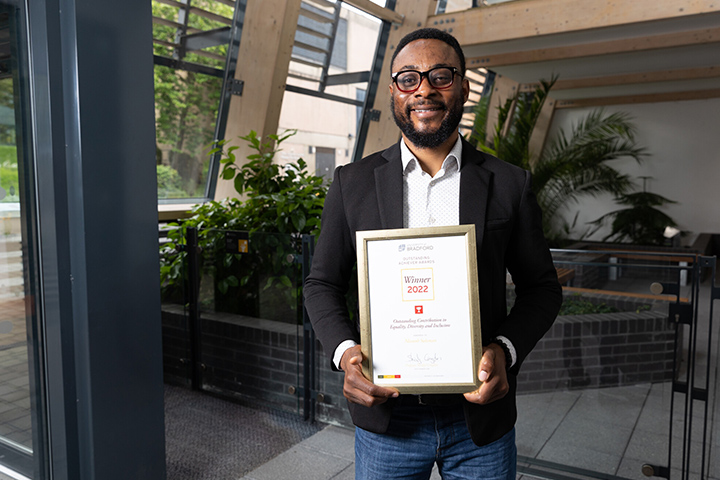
538, 293
332, 266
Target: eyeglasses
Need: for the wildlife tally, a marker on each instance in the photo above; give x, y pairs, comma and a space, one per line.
440, 78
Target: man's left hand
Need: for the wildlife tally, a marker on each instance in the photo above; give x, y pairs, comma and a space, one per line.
493, 375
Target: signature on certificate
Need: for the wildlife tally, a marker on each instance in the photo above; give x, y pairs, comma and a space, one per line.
426, 359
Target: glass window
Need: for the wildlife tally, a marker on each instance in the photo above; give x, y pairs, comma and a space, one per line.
327, 139
187, 95
22, 438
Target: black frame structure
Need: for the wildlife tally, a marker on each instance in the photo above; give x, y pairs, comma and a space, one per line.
97, 225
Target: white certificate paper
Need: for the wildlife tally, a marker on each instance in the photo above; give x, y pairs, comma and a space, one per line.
419, 308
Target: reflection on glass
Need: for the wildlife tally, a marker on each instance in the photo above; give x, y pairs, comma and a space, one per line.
186, 106
596, 394
22, 436
16, 424
259, 279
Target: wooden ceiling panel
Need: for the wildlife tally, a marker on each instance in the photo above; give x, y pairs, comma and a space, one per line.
616, 50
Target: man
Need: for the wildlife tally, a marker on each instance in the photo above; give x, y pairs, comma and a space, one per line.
433, 177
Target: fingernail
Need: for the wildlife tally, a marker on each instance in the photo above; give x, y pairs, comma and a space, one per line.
483, 375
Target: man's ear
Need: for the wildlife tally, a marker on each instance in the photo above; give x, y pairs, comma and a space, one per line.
466, 89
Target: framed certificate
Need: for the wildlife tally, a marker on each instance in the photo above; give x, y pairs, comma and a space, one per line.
420, 308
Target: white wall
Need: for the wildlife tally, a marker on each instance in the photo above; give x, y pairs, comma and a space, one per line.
683, 142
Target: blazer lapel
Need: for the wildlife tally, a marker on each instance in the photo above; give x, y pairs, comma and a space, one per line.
389, 189
475, 184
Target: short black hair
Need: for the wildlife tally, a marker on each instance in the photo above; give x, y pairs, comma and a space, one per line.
427, 34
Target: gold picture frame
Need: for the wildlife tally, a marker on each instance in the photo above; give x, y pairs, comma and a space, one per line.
420, 308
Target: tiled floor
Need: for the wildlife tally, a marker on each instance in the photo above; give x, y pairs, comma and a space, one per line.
611, 431
14, 382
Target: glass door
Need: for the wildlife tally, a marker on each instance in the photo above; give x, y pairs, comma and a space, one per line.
21, 391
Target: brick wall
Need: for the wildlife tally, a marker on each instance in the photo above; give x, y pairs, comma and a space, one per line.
251, 360
256, 360
601, 350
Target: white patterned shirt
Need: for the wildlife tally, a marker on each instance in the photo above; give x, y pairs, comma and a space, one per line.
431, 201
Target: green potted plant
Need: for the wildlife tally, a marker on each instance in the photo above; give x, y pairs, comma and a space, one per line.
281, 202
642, 223
572, 165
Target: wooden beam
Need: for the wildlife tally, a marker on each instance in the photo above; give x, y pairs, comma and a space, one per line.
625, 45
633, 78
384, 132
376, 10
529, 18
540, 132
263, 63
635, 99
502, 89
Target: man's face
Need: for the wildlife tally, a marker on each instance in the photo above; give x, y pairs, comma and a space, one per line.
428, 117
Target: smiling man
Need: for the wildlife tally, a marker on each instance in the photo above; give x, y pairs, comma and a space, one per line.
433, 177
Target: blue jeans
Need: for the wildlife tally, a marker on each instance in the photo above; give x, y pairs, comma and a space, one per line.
419, 436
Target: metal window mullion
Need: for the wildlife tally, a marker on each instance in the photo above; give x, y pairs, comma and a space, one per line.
205, 54
171, 23
331, 45
323, 95
187, 66
183, 17
318, 17
165, 44
303, 77
210, 15
311, 48
197, 11
226, 94
312, 32
373, 85
709, 262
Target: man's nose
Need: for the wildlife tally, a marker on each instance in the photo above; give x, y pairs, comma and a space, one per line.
425, 89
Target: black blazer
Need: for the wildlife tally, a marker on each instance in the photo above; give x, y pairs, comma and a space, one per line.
494, 196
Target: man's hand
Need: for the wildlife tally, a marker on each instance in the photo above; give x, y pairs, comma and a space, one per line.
491, 372
356, 387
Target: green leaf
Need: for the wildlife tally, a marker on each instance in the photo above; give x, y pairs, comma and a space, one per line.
239, 184
298, 220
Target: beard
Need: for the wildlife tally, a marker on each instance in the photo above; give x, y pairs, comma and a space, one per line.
430, 139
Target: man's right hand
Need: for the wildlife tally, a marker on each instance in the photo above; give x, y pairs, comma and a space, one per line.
356, 387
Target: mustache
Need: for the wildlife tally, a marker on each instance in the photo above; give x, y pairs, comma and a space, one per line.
421, 105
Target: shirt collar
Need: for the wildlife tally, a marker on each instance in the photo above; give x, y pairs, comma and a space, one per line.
455, 153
